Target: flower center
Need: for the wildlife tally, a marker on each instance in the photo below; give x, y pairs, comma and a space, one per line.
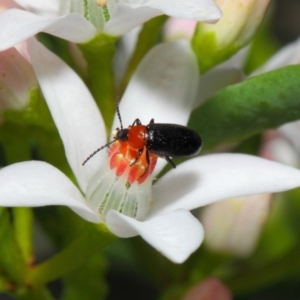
124, 182
133, 162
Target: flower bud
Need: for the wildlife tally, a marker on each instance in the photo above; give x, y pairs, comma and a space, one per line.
234, 226
6, 4
214, 43
209, 289
17, 79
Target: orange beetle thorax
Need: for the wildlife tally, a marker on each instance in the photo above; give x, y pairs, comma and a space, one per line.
137, 136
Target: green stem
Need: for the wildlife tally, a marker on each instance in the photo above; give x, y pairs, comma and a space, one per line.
23, 219
99, 55
11, 257
71, 257
148, 37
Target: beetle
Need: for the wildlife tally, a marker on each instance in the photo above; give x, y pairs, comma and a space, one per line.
162, 139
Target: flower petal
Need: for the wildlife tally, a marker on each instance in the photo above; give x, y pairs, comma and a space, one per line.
124, 50
288, 55
128, 14
7, 4
211, 178
18, 25
225, 74
163, 87
175, 28
175, 235
46, 7
198, 10
37, 183
280, 148
73, 109
124, 18
209, 289
291, 131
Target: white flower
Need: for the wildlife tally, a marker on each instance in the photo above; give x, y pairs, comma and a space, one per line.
18, 25
127, 14
164, 88
65, 19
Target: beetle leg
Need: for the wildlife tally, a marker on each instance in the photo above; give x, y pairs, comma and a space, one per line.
143, 160
136, 122
147, 159
151, 121
137, 157
168, 159
148, 164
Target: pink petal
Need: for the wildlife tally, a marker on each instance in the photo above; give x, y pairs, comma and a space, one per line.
16, 81
209, 289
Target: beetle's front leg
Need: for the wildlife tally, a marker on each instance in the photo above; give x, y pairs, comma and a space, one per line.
136, 122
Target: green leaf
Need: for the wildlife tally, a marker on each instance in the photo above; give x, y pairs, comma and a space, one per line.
99, 54
11, 256
242, 110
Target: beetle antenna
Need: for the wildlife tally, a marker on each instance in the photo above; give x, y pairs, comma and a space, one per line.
106, 145
96, 151
118, 111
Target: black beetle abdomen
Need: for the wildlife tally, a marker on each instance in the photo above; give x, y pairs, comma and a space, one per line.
172, 140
